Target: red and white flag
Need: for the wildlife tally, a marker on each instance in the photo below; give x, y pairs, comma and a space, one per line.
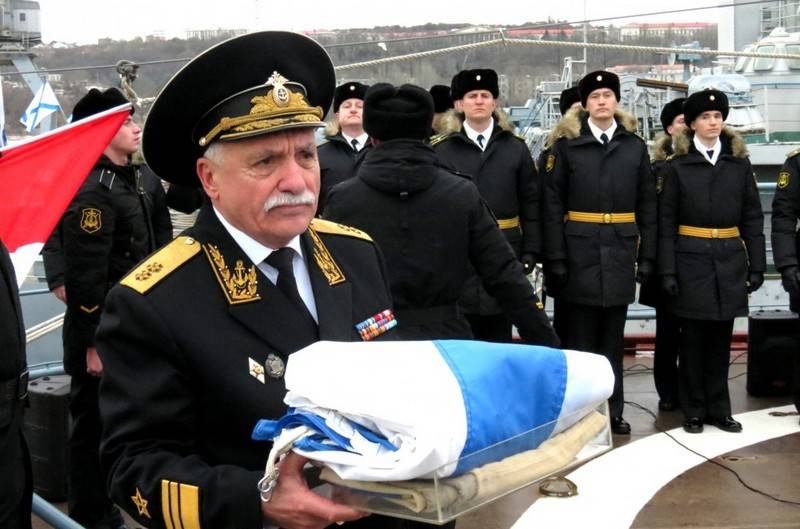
39, 177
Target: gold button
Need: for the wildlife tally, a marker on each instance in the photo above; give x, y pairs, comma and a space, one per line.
714, 233
606, 218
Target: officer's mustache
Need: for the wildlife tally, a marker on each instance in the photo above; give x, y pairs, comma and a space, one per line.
280, 198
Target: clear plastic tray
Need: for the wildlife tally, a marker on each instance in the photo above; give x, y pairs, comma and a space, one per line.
495, 473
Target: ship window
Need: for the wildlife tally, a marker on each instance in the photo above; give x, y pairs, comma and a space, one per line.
763, 63
794, 49
22, 17
742, 62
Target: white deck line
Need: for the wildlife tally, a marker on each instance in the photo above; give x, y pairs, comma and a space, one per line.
614, 487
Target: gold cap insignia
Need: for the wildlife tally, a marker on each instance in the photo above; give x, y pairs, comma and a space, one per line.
280, 94
141, 503
256, 371
275, 366
91, 220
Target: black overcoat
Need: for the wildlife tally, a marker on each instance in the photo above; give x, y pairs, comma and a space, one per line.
785, 212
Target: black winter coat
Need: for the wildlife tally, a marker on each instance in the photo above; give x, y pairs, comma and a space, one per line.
337, 163
712, 273
507, 180
430, 224
785, 212
581, 175
107, 228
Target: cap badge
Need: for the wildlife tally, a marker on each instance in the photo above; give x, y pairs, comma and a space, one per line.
599, 77
352, 88
711, 97
280, 94
478, 77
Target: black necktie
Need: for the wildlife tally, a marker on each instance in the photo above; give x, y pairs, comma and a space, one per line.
604, 139
480, 140
710, 154
354, 143
281, 259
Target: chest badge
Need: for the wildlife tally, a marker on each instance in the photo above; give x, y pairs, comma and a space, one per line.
256, 370
275, 366
91, 220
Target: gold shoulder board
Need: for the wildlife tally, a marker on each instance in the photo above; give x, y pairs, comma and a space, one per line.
438, 138
793, 153
161, 264
326, 226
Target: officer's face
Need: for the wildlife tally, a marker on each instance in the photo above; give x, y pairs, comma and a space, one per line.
126, 140
477, 104
601, 104
708, 125
350, 112
678, 125
265, 186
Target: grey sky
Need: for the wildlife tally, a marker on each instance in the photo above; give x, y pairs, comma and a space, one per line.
84, 21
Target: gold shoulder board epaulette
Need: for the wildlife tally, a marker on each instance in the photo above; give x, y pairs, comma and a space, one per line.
161, 264
438, 138
793, 153
326, 226
670, 157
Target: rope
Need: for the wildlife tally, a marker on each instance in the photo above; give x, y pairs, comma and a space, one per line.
556, 43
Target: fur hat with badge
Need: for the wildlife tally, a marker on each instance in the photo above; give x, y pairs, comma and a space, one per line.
96, 101
569, 97
671, 110
596, 80
392, 113
469, 80
703, 101
442, 102
348, 91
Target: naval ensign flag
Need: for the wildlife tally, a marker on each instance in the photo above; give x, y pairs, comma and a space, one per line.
39, 177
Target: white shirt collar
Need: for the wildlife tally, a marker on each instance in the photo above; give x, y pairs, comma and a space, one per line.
362, 140
473, 134
597, 131
253, 249
702, 149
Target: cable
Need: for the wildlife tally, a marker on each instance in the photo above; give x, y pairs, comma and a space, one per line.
738, 477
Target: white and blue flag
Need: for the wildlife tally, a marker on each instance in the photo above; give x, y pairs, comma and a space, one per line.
43, 104
389, 411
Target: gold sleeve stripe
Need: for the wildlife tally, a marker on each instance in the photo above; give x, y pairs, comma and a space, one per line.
161, 264
326, 226
180, 505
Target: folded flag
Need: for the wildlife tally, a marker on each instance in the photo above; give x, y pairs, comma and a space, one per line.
389, 411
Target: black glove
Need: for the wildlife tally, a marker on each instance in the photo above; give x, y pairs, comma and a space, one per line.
754, 281
528, 262
645, 271
669, 284
557, 272
790, 277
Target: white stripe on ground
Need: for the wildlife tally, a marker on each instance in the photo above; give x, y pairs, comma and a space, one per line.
614, 487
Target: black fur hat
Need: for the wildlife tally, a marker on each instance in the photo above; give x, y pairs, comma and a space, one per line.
348, 91
671, 110
598, 79
96, 101
703, 101
468, 80
442, 101
569, 97
398, 112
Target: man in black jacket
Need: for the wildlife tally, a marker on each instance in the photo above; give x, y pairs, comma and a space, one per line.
665, 357
16, 485
711, 253
479, 142
345, 138
429, 224
105, 231
600, 219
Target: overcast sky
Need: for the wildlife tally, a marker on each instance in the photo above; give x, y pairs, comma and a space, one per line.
84, 21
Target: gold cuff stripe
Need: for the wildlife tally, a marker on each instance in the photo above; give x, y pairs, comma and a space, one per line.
180, 505
709, 233
601, 218
162, 263
507, 224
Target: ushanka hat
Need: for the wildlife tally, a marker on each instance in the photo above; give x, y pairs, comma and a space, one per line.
703, 101
442, 101
469, 80
96, 101
569, 97
398, 112
348, 91
671, 110
596, 80
249, 85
